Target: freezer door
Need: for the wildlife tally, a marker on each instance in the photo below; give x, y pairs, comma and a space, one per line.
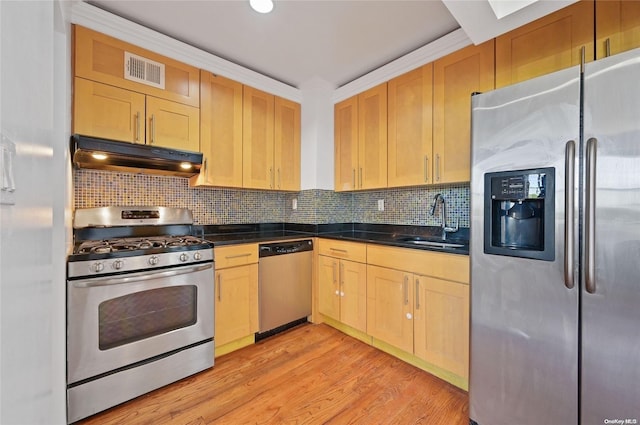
524, 316
611, 291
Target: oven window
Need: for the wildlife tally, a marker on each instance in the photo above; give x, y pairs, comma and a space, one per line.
144, 314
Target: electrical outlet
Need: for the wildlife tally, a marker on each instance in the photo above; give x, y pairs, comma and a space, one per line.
380, 204
294, 204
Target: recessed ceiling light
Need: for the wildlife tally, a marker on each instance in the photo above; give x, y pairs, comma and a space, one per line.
98, 155
262, 6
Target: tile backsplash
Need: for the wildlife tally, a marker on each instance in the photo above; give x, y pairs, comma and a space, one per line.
225, 206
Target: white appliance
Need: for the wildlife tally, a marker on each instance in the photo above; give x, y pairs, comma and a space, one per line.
555, 248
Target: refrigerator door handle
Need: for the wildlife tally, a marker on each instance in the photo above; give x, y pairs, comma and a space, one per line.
569, 213
589, 217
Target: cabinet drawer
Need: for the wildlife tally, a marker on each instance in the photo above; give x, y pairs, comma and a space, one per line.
354, 251
235, 255
437, 264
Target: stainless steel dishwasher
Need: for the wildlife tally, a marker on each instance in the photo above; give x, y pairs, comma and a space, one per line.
284, 285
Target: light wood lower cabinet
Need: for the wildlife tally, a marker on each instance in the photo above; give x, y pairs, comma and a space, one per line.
441, 323
236, 296
390, 306
342, 291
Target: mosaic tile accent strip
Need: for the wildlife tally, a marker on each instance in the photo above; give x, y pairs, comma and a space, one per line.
238, 206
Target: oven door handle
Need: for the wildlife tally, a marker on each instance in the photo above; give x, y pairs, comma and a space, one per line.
138, 277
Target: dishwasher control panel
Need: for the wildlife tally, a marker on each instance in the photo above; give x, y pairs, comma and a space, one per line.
280, 248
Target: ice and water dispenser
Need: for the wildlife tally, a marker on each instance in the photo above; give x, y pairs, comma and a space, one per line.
519, 213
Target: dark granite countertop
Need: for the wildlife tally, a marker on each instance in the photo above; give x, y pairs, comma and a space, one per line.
405, 236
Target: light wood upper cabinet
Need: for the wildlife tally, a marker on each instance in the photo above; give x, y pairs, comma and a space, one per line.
455, 78
360, 127
372, 138
220, 131
172, 125
287, 120
257, 139
108, 112
99, 57
410, 143
617, 26
346, 144
549, 44
442, 323
390, 306
270, 141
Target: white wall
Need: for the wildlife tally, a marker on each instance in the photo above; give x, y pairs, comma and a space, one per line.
34, 115
317, 135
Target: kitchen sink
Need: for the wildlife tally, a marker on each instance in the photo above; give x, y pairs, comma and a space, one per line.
431, 243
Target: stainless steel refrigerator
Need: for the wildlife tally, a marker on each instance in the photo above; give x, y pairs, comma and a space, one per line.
555, 248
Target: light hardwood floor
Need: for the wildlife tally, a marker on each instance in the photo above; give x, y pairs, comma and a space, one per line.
312, 374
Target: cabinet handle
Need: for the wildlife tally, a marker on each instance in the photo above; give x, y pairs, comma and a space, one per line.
335, 280
341, 279
437, 167
137, 126
417, 294
405, 289
219, 287
229, 257
354, 178
279, 180
426, 168
271, 177
338, 250
153, 129
360, 177
607, 48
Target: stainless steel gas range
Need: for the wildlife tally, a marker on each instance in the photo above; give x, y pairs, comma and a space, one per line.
140, 315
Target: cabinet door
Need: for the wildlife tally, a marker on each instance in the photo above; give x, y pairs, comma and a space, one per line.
257, 139
173, 125
442, 324
549, 44
287, 144
617, 26
236, 303
109, 112
328, 287
410, 99
390, 307
99, 57
346, 144
220, 131
353, 294
372, 138
455, 78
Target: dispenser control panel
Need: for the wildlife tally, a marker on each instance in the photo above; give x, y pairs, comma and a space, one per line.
518, 187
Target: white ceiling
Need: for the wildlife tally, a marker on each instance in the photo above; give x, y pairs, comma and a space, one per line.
302, 40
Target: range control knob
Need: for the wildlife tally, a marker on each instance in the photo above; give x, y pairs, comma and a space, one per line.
197, 256
153, 260
184, 257
118, 264
97, 267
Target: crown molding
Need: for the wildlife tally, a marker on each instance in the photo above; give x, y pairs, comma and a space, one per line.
107, 23
449, 43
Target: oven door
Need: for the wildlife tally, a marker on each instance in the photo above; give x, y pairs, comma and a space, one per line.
116, 321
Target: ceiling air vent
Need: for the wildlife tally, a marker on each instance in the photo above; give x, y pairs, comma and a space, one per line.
143, 70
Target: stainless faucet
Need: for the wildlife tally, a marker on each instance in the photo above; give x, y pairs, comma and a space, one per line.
440, 199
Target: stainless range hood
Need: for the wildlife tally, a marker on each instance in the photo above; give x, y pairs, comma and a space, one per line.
103, 154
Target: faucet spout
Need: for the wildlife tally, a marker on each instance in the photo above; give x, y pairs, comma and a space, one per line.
440, 199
